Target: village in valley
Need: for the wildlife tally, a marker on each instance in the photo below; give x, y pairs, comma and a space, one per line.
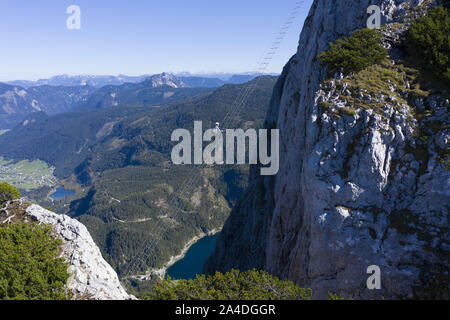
27, 175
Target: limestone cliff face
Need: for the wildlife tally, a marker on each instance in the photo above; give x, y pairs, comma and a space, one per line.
91, 276
362, 179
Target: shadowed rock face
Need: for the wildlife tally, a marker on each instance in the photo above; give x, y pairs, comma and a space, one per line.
352, 191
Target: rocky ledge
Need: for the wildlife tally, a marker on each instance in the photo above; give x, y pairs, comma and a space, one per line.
91, 276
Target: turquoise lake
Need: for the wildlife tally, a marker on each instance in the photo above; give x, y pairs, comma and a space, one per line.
192, 263
61, 193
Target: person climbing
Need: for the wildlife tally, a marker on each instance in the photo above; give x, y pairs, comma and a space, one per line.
217, 128
218, 153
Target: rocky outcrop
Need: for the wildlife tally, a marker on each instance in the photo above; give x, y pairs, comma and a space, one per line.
91, 277
165, 79
363, 176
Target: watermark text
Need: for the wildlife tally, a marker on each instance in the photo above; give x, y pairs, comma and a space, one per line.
236, 147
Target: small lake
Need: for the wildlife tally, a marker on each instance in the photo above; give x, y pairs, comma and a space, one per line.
192, 263
61, 193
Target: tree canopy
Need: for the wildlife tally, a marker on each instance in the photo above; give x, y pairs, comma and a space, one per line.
429, 39
354, 53
233, 285
29, 267
8, 192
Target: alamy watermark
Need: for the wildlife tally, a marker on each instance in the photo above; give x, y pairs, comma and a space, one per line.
235, 147
374, 281
73, 22
374, 21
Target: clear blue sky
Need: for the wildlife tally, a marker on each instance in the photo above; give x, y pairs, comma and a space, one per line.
136, 37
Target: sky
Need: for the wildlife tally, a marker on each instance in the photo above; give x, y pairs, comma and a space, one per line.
136, 37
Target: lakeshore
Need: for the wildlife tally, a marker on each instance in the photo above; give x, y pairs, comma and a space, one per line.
174, 259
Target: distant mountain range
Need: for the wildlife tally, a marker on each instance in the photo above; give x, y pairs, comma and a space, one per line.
155, 91
18, 99
191, 80
81, 80
17, 102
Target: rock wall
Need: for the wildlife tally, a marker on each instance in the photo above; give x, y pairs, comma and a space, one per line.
355, 188
91, 276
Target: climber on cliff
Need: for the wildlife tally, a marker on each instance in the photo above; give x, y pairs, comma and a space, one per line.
218, 153
217, 128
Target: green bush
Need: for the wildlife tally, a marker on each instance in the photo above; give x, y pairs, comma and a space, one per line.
233, 285
8, 192
29, 269
354, 53
336, 296
429, 39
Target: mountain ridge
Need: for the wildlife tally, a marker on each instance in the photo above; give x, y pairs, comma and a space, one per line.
101, 81
359, 184
17, 102
61, 94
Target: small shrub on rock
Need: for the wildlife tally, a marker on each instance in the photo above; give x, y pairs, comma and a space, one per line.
8, 192
354, 53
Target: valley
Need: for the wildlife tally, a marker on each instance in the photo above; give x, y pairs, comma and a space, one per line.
328, 180
27, 175
140, 209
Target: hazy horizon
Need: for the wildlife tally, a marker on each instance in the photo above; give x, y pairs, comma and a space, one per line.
145, 37
205, 74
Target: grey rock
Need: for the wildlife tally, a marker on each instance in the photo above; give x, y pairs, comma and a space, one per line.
91, 276
343, 198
